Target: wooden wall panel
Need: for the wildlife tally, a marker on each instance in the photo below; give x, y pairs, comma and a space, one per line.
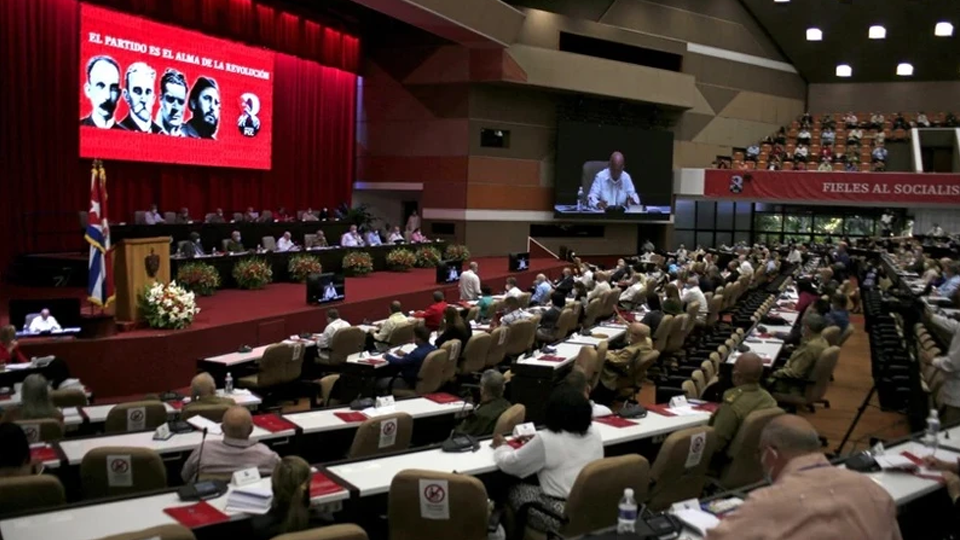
509, 197
412, 168
491, 170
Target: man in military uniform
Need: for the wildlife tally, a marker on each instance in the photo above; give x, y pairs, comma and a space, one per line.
740, 401
235, 245
793, 376
616, 369
483, 419
203, 391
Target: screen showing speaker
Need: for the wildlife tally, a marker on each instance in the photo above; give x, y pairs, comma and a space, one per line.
519, 261
613, 172
159, 93
62, 313
449, 271
325, 288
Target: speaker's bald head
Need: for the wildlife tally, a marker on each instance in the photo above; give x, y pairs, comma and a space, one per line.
791, 436
748, 369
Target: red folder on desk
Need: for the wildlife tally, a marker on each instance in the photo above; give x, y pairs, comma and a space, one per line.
196, 515
662, 410
273, 423
709, 407
919, 462
177, 404
321, 484
442, 397
43, 453
615, 421
372, 361
550, 358
351, 417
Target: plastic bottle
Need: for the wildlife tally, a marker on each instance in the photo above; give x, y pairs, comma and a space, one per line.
931, 438
228, 383
627, 516
580, 199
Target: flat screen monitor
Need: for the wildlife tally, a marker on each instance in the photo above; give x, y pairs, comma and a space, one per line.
449, 271
519, 262
65, 310
326, 288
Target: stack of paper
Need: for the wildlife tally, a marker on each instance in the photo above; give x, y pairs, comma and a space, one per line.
250, 500
200, 423
698, 520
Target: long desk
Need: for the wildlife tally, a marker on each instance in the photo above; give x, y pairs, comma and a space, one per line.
211, 234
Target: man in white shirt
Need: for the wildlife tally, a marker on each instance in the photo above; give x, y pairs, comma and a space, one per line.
373, 238
470, 283
513, 312
612, 186
286, 242
512, 289
334, 323
351, 238
803, 137
949, 365
602, 286
922, 120
936, 230
395, 236
746, 269
44, 323
633, 294
795, 257
692, 293
152, 217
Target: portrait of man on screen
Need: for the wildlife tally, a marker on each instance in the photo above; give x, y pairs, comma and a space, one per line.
173, 99
139, 93
613, 187
102, 89
204, 104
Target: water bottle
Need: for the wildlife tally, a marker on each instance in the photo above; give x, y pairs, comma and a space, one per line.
580, 199
931, 438
627, 516
228, 384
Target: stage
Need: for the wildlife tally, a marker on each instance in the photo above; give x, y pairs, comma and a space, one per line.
145, 361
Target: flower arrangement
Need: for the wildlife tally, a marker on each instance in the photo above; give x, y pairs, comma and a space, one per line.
168, 306
428, 257
358, 263
200, 278
401, 260
457, 252
252, 273
301, 266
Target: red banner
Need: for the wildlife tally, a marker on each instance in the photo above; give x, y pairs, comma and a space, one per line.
833, 186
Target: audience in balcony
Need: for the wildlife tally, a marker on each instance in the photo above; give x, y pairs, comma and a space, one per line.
781, 136
826, 153
851, 167
753, 151
803, 137
825, 166
802, 153
879, 153
850, 120
951, 120
922, 120
806, 121
880, 137
827, 122
899, 122
828, 136
876, 121
854, 136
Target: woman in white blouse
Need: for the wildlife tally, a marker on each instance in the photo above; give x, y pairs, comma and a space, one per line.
556, 455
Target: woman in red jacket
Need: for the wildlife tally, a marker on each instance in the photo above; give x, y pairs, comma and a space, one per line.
9, 348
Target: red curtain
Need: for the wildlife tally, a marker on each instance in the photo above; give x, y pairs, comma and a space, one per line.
44, 184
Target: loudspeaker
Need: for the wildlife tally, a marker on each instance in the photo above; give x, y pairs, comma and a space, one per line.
314, 289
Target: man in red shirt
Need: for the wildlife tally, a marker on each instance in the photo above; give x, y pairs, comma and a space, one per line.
433, 315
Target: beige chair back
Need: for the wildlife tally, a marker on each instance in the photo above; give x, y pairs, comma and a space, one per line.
453, 357
831, 335
521, 336
524, 299
510, 419
662, 335
699, 380
565, 324
593, 500
269, 243
69, 398
743, 467
689, 389
382, 435
475, 353
680, 471
458, 509
110, 471
588, 361
714, 314
214, 413
472, 314
678, 333
160, 532
331, 532
498, 346
309, 240
135, 416
708, 369
846, 335
279, 362
594, 311
610, 299
40, 430
821, 374
347, 341
402, 334
430, 377
26, 493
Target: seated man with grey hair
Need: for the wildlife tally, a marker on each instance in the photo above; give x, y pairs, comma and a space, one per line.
234, 452
793, 376
484, 416
808, 497
203, 391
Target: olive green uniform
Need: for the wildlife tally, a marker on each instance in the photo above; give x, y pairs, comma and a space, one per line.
737, 404
798, 367
484, 418
617, 366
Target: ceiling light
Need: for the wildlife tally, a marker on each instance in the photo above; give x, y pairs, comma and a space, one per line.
943, 29
904, 69
844, 70
780, 1
814, 34
877, 32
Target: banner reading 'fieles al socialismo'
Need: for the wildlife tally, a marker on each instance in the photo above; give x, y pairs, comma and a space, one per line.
158, 93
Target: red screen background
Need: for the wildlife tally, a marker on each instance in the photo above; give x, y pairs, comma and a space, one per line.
230, 148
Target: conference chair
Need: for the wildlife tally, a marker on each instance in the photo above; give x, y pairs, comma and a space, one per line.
742, 466
42, 429
589, 172
510, 419
110, 471
815, 388
160, 532
831, 335
588, 361
382, 435
678, 474
266, 216
661, 336
214, 413
565, 324
846, 335
594, 497
630, 385
521, 337
524, 299
454, 506
498, 346
269, 243
280, 366
135, 416
331, 532
69, 398
610, 300
223, 244
237, 217
401, 335
309, 240
475, 353
23, 493
453, 356
140, 217
170, 217
430, 377
346, 341
472, 314
699, 380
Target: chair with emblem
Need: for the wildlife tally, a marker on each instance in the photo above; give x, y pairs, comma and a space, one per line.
680, 471
135, 416
160, 532
111, 471
382, 435
42, 430
33, 492
457, 506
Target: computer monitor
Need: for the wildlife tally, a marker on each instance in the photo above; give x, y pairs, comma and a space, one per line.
325, 288
65, 310
519, 262
449, 271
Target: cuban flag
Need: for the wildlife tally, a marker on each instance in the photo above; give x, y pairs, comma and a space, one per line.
100, 267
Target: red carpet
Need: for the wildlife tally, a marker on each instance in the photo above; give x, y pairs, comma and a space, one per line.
145, 361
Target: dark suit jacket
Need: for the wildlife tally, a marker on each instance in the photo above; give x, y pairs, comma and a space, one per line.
190, 249
565, 285
129, 125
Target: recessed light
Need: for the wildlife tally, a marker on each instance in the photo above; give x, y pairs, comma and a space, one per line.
877, 32
844, 70
780, 1
904, 69
943, 29
814, 34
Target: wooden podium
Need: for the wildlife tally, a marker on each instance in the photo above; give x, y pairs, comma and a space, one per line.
140, 262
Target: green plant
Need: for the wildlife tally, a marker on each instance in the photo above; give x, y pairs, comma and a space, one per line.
252, 273
359, 215
167, 306
301, 266
401, 260
428, 257
358, 263
199, 277
457, 252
